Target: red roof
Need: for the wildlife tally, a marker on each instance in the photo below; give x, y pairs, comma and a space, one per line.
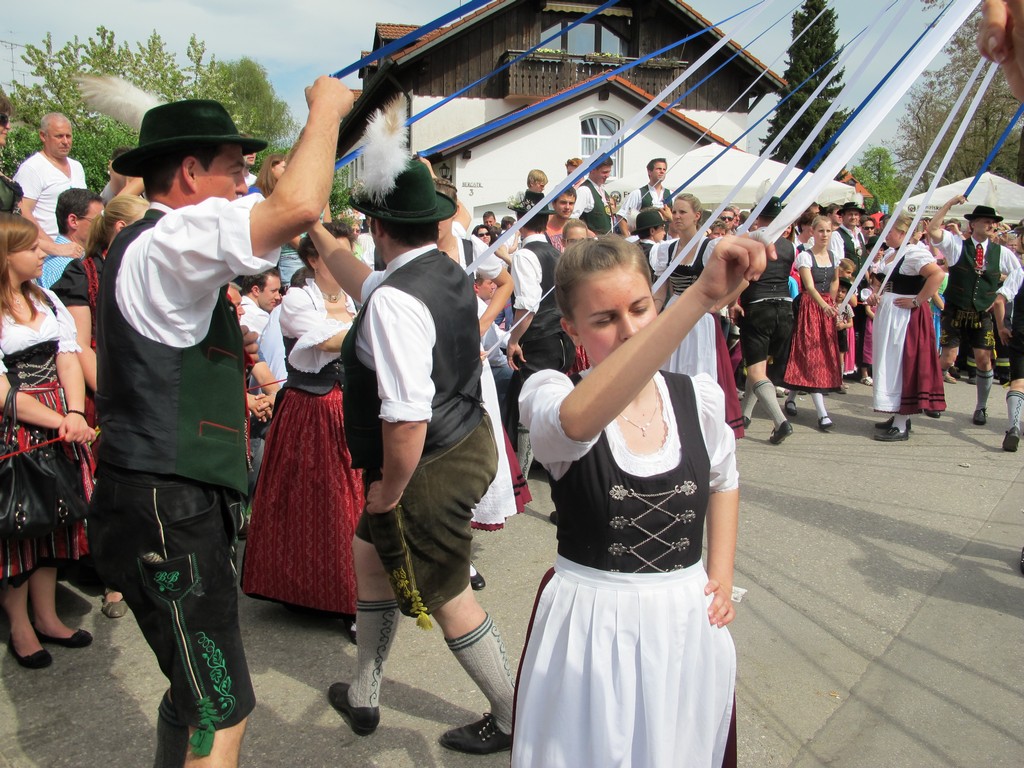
389, 32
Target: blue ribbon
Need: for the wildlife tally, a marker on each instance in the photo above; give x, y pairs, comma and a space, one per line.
860, 107
412, 37
995, 150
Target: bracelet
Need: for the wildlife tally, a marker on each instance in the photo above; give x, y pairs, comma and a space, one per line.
69, 411
916, 303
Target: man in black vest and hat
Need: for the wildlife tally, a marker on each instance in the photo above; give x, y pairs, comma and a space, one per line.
415, 424
171, 399
764, 314
977, 267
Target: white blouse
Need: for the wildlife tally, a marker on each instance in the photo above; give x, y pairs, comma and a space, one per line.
304, 318
541, 402
60, 327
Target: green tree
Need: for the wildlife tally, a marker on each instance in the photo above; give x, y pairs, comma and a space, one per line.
929, 103
241, 86
816, 46
877, 171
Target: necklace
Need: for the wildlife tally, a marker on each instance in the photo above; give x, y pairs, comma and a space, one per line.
644, 427
331, 297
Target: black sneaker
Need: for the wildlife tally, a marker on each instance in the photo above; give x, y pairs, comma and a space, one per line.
480, 738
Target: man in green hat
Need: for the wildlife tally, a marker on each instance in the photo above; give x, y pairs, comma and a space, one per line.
171, 399
977, 267
415, 424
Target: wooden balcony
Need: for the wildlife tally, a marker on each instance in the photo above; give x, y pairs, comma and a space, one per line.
543, 73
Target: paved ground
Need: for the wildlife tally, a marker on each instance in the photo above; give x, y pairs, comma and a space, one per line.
883, 623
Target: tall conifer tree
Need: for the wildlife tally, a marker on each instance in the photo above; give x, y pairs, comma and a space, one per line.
816, 46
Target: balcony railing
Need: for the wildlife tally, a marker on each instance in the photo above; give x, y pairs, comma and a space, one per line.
544, 72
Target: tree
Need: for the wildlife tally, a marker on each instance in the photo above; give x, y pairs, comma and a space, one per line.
152, 67
816, 46
929, 104
877, 171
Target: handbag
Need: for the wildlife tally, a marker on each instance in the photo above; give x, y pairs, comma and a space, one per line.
40, 489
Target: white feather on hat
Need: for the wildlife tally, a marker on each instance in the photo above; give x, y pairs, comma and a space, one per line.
116, 98
385, 150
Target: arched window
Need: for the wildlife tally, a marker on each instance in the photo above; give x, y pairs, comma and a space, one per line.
594, 131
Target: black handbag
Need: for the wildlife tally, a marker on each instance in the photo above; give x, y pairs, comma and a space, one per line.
40, 489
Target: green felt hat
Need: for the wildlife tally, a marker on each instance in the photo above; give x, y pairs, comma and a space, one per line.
413, 200
528, 201
772, 209
181, 125
648, 218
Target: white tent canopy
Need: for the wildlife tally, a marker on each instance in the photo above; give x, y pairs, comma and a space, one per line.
1002, 194
715, 184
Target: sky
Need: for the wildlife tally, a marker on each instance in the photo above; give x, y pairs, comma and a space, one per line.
295, 42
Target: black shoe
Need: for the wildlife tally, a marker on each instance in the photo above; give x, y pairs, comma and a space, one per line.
1022, 561
362, 720
80, 639
1011, 440
972, 379
980, 417
789, 407
892, 435
825, 424
36, 660
933, 414
477, 581
351, 631
553, 517
887, 424
479, 738
780, 433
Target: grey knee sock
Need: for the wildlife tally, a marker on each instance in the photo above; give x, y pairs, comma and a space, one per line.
749, 398
764, 390
984, 385
171, 736
1014, 405
378, 623
482, 654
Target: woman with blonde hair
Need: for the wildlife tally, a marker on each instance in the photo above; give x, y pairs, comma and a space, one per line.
38, 357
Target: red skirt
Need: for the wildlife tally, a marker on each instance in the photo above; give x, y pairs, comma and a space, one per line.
922, 377
19, 557
305, 509
814, 351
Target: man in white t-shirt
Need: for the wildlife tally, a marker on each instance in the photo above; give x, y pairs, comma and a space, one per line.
46, 174
260, 294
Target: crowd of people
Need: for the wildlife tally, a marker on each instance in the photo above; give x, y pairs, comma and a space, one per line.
344, 396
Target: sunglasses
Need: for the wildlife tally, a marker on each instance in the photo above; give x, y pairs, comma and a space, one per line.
728, 218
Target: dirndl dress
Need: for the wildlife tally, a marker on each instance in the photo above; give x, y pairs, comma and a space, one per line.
814, 349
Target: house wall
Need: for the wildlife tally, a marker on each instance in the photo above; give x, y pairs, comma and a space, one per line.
497, 168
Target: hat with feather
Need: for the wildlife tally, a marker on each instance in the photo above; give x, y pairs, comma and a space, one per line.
394, 186
163, 128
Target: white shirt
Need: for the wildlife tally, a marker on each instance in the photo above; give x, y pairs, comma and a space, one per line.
1012, 285
304, 318
585, 199
254, 317
837, 247
493, 340
396, 339
806, 259
14, 337
660, 255
951, 248
43, 182
631, 205
526, 275
541, 401
272, 345
172, 275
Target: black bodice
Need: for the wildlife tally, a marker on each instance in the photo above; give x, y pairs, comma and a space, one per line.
32, 366
614, 521
319, 383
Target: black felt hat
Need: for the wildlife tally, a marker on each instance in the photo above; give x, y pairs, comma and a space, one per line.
181, 125
851, 207
649, 218
983, 212
528, 201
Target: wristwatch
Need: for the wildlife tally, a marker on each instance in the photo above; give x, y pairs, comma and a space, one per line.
916, 303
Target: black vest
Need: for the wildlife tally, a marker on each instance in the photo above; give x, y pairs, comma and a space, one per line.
447, 293
1017, 307
547, 320
165, 410
850, 248
966, 288
647, 198
774, 281
685, 275
603, 520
